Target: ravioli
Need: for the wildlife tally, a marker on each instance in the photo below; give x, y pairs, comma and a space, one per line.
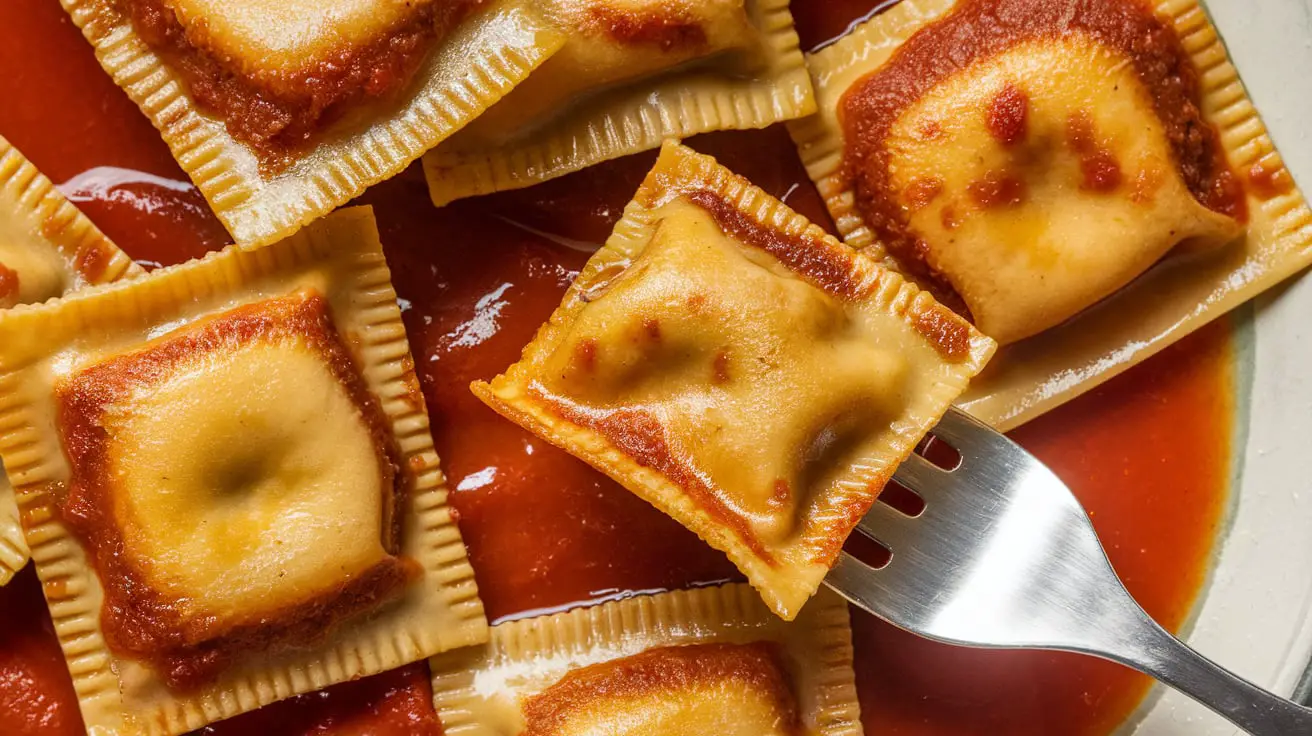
225, 472
256, 429
282, 111
47, 249
617, 41
278, 72
632, 74
1083, 179
685, 663
1042, 169
1038, 182
690, 690
730, 363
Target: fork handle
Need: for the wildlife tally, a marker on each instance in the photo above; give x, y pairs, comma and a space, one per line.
1153, 651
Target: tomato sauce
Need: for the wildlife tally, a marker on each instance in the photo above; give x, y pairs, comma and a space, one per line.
279, 110
1148, 453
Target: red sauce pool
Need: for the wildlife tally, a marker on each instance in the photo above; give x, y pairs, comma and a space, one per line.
1148, 453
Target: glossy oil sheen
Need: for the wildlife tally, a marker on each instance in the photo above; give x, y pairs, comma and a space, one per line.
1148, 454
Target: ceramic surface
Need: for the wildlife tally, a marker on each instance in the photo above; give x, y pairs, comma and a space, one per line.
1256, 616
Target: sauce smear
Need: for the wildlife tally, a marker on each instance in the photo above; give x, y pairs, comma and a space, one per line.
1147, 453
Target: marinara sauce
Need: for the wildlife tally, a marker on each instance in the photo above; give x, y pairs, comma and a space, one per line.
1147, 453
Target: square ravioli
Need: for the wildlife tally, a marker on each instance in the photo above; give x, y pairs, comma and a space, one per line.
290, 488
632, 74
225, 473
684, 663
47, 249
281, 111
1085, 180
741, 370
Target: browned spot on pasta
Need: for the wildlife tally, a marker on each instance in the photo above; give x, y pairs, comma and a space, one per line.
720, 367
92, 260
1269, 181
585, 354
9, 286
831, 530
826, 265
997, 189
666, 27
1007, 115
949, 218
1098, 165
652, 327
947, 332
781, 494
921, 191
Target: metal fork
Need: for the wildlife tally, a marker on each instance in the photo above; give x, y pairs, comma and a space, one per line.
1003, 556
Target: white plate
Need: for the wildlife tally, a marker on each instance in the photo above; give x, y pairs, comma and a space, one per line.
1254, 617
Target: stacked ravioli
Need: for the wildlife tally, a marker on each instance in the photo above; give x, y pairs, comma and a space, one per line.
224, 469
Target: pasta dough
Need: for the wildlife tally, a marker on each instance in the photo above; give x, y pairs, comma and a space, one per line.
632, 74
225, 472
724, 359
712, 660
1089, 174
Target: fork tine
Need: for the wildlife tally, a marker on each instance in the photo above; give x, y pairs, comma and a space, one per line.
966, 434
857, 582
918, 474
886, 525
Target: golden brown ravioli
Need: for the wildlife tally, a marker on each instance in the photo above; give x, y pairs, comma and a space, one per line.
225, 473
1056, 157
613, 42
1027, 160
282, 111
279, 72
632, 74
1031, 224
742, 371
689, 690
255, 429
685, 663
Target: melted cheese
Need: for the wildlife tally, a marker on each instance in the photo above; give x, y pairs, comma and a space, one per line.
701, 333
721, 689
246, 480
38, 270
272, 36
1032, 230
613, 42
